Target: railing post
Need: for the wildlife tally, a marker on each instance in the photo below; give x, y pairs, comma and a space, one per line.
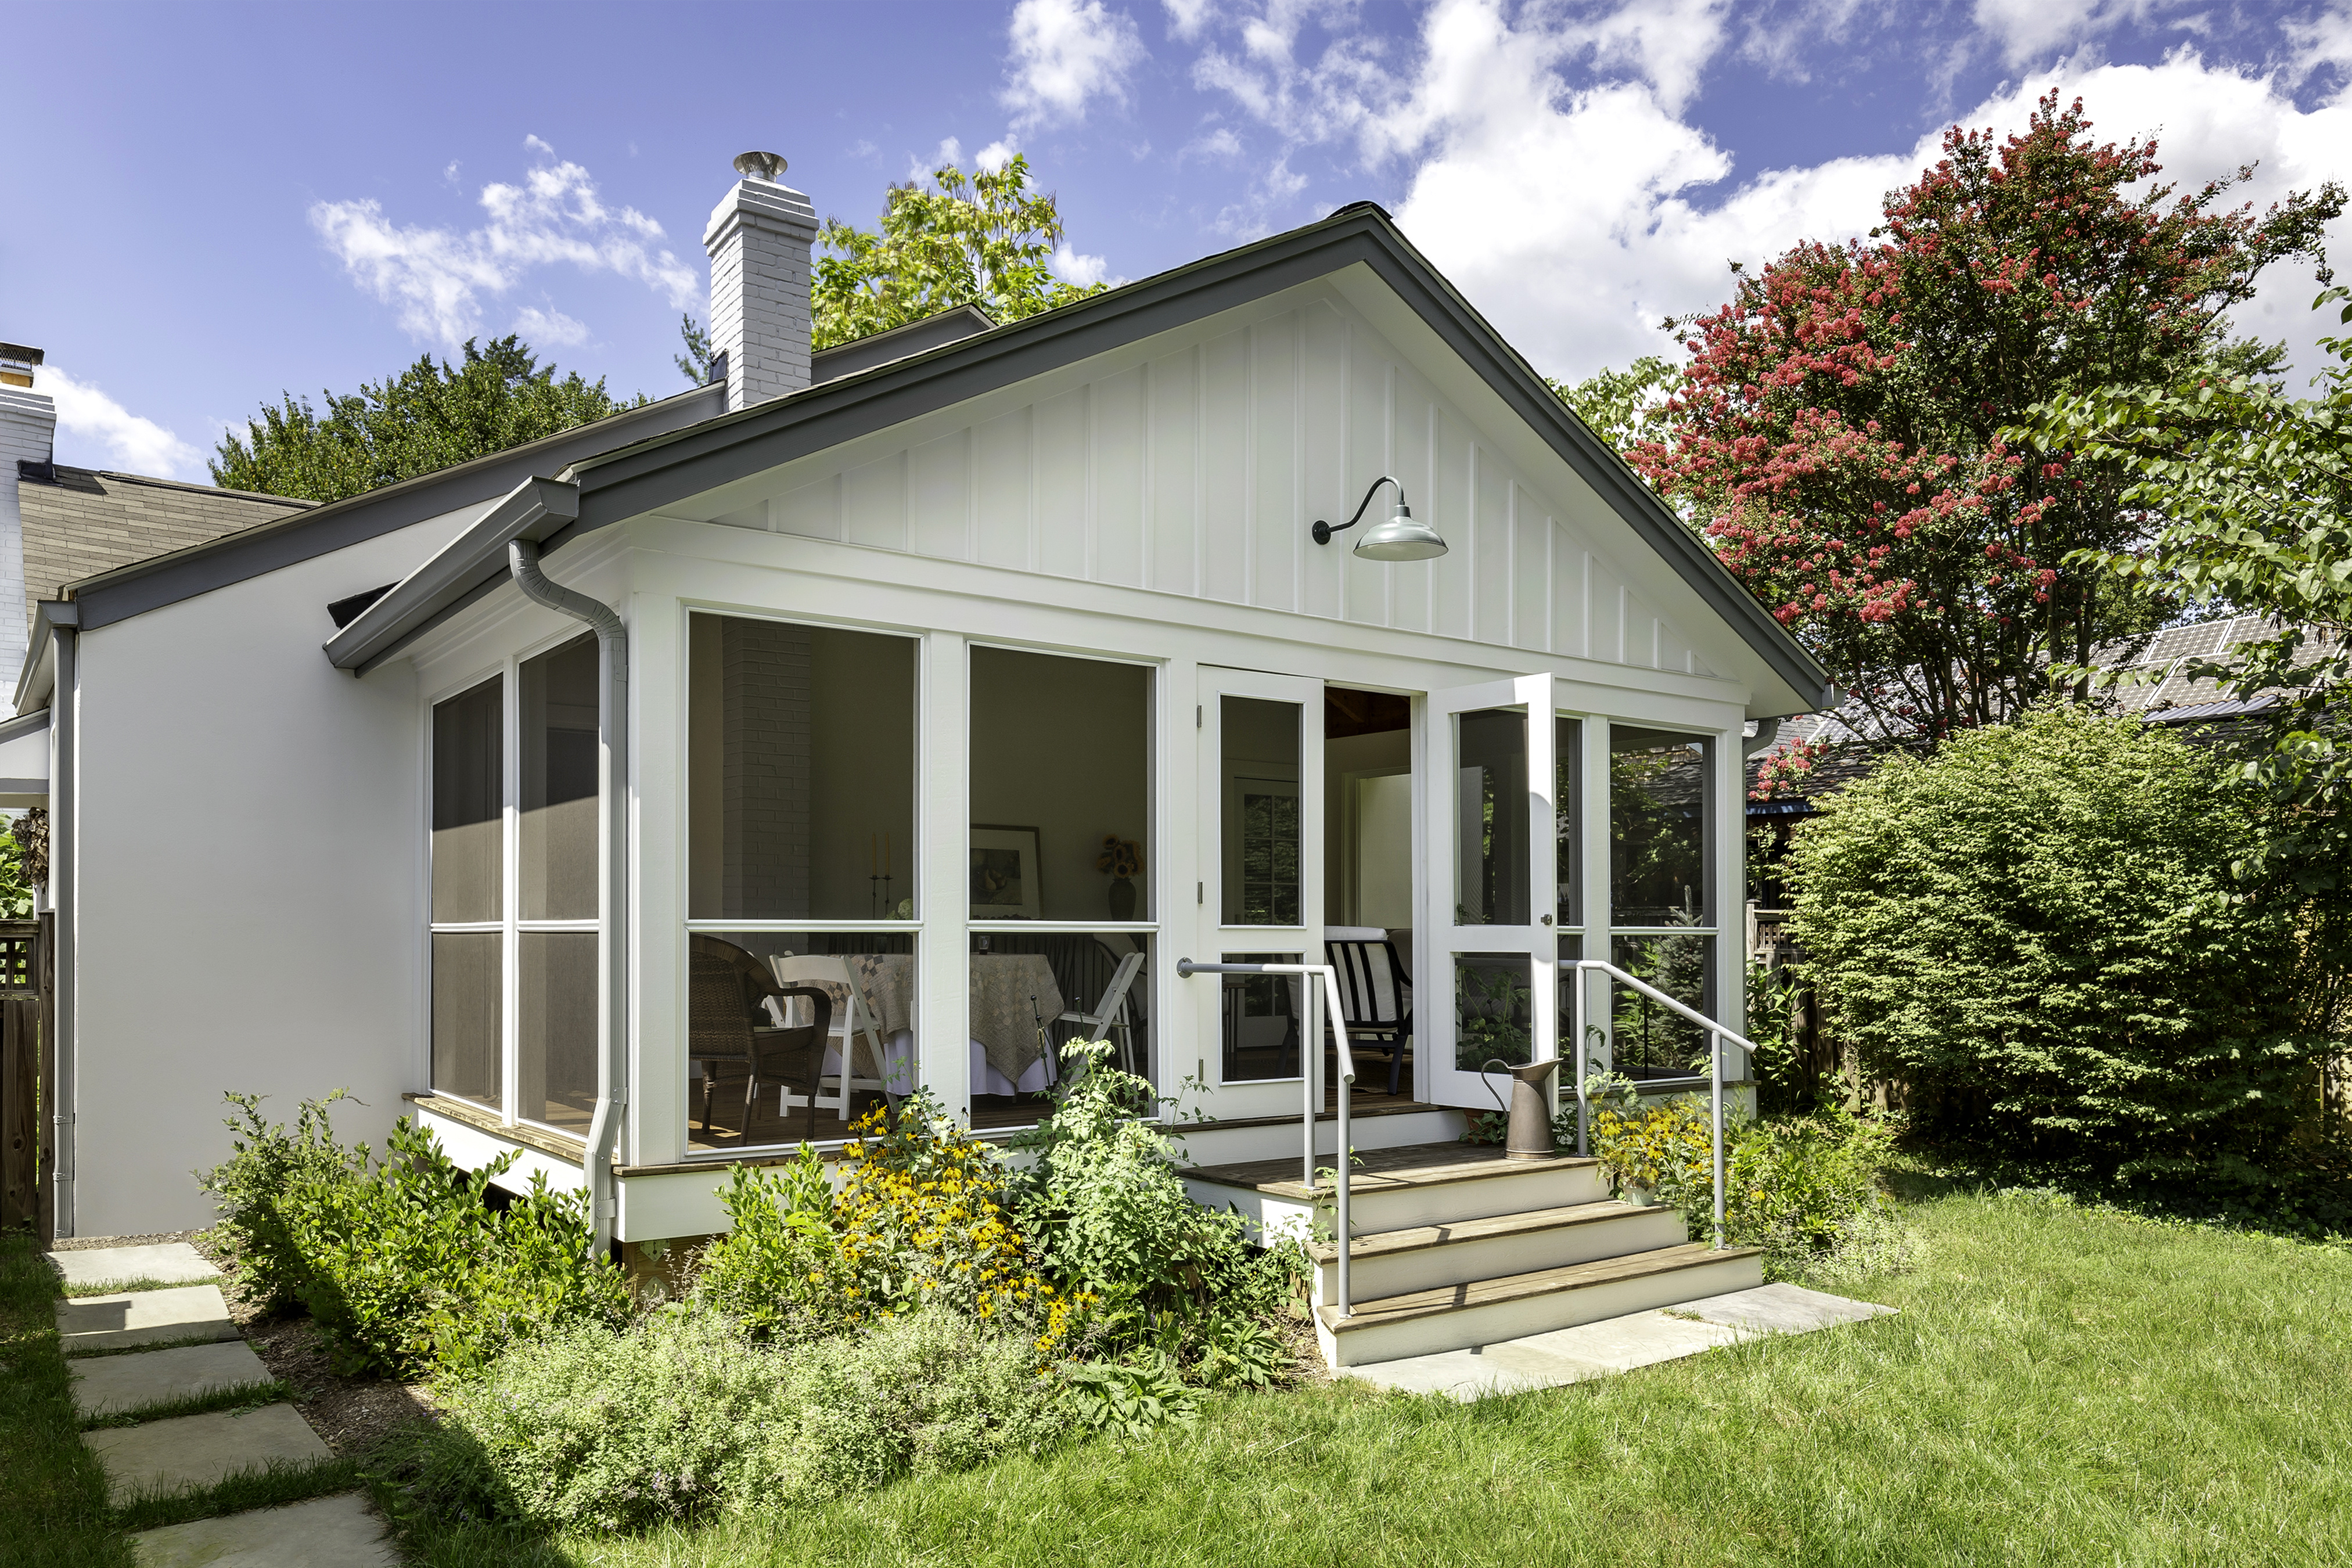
1583, 1109
1339, 1205
1311, 1056
1714, 1089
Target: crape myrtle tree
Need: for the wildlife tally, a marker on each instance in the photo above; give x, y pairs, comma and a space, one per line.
1837, 430
427, 417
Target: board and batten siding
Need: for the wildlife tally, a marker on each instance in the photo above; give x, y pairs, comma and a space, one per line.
1193, 463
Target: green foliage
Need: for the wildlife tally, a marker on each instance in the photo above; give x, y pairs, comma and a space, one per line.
1111, 1217
697, 364
2040, 927
779, 1269
1803, 1188
52, 1509
679, 1416
16, 881
405, 1264
1624, 407
427, 418
1128, 1399
982, 238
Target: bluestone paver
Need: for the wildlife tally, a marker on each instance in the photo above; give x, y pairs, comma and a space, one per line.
166, 1263
114, 1383
1563, 1356
142, 1317
327, 1532
197, 1450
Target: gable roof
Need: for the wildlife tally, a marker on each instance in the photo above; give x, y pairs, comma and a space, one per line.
646, 476
80, 522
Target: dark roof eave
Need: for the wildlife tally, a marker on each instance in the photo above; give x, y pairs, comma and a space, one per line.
127, 591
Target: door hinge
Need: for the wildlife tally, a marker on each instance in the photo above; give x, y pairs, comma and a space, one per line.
1200, 892
1196, 715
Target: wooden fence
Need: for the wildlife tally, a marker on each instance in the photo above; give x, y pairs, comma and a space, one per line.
26, 1069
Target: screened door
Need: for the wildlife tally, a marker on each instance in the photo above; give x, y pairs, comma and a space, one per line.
1262, 899
1490, 783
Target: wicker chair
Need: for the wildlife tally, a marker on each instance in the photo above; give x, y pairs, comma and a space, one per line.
727, 1022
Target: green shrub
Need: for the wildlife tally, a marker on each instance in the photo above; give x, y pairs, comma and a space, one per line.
264, 1165
404, 1263
1805, 1189
2039, 927
1115, 1224
681, 1416
779, 1269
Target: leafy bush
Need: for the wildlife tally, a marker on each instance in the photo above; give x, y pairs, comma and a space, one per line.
2040, 927
1805, 1189
679, 1416
405, 1264
1115, 1224
921, 1220
1128, 1399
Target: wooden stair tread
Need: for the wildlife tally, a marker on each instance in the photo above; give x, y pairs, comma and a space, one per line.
1519, 1287
1388, 1243
1386, 1169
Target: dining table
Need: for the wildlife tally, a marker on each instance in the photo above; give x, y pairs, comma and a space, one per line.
1010, 995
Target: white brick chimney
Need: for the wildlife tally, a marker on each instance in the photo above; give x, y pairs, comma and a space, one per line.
760, 238
28, 429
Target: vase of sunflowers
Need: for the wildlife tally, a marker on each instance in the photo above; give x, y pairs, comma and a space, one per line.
1121, 859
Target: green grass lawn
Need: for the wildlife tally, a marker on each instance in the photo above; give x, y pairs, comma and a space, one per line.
2064, 1386
53, 1506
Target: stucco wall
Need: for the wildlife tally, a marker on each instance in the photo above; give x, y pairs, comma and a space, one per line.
249, 897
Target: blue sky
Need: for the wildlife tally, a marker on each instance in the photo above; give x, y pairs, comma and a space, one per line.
209, 203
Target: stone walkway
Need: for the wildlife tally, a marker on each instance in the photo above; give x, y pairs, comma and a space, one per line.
172, 1302
1617, 1344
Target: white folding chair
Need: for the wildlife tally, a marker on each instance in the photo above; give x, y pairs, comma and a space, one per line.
1111, 1012
851, 1025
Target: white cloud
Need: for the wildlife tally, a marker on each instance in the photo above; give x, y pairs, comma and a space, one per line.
438, 278
995, 155
549, 328
1065, 54
1578, 215
1074, 267
1188, 18
2028, 30
133, 445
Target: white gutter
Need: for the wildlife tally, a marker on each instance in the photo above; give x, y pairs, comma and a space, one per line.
611, 880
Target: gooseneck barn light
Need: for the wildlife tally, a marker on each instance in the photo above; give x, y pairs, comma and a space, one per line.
1398, 539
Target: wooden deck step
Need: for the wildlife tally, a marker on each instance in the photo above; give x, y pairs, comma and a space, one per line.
1399, 1169
1416, 1238
1393, 1309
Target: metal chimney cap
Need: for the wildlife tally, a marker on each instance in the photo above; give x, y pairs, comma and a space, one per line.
769, 166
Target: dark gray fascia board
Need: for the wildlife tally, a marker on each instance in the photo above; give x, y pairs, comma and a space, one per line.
23, 724
633, 480
145, 586
47, 615
899, 342
533, 509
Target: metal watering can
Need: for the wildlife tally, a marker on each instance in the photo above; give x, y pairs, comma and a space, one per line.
1530, 1109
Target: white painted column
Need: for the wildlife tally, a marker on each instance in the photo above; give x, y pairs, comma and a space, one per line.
1597, 915
655, 1130
1183, 1012
1730, 873
943, 1000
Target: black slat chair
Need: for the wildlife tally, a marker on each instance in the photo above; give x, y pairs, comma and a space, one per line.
1375, 991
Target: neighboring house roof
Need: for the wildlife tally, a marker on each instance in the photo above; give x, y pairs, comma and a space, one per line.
631, 481
80, 522
2161, 691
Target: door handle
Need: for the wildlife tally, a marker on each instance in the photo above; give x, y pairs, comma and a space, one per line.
1547, 920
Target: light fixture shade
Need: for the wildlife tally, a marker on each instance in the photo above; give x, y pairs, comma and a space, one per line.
1400, 538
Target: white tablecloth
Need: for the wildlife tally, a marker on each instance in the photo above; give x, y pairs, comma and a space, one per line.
902, 1073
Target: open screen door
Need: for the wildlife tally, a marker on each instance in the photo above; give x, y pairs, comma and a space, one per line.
1491, 899
1262, 808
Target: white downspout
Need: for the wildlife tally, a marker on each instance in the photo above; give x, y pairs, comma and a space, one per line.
65, 704
612, 877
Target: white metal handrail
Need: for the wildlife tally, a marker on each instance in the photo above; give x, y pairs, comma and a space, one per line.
1716, 1035
1317, 998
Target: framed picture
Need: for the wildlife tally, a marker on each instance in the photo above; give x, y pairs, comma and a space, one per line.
1004, 862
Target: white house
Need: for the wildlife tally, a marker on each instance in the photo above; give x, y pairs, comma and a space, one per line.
833, 677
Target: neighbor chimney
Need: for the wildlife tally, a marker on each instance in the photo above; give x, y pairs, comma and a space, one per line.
759, 241
28, 429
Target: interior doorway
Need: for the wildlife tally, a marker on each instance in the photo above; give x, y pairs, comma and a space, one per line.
1371, 882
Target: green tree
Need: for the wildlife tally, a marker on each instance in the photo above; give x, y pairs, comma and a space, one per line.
2042, 927
1624, 407
428, 417
982, 238
2245, 495
695, 363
